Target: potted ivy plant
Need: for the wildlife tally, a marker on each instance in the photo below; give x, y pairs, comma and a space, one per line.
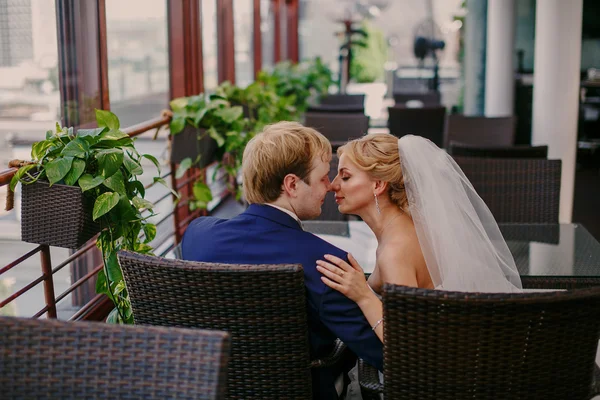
219, 129
81, 183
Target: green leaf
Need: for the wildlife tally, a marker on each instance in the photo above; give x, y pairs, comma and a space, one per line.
19, 174
87, 182
38, 149
104, 203
113, 134
139, 186
162, 182
177, 124
113, 317
133, 167
90, 132
49, 134
154, 161
57, 169
113, 268
75, 172
140, 203
229, 115
178, 104
77, 147
150, 232
109, 161
108, 119
200, 115
143, 248
101, 285
117, 183
202, 193
186, 163
212, 132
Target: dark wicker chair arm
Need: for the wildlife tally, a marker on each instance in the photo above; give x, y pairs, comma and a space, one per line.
368, 377
332, 358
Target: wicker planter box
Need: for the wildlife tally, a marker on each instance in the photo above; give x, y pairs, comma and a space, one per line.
186, 144
57, 215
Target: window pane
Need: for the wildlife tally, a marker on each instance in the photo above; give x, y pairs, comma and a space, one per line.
243, 18
267, 31
138, 58
209, 44
29, 106
317, 26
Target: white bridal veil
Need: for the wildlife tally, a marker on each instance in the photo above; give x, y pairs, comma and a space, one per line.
460, 239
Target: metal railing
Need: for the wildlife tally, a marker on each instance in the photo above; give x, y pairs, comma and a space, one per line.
100, 305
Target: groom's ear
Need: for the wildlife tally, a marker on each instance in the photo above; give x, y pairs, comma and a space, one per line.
380, 187
290, 184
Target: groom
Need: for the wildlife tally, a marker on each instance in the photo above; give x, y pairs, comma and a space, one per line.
285, 171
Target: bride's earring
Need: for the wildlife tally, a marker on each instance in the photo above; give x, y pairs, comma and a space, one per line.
377, 204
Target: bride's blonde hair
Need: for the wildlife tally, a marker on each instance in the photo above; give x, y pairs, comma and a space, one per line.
377, 155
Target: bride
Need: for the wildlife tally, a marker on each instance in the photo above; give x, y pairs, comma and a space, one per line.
432, 228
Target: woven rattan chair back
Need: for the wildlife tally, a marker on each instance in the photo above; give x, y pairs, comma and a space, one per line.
343, 99
447, 345
338, 126
262, 307
516, 190
82, 360
427, 122
429, 99
481, 131
523, 151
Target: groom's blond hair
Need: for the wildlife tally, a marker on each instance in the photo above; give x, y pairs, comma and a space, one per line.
280, 149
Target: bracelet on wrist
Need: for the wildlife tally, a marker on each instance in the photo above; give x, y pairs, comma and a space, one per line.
377, 323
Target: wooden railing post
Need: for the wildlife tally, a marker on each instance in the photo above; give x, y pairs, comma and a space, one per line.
48, 281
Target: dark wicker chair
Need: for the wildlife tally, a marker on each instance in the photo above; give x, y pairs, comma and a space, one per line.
343, 99
516, 190
338, 127
429, 99
427, 122
329, 211
82, 360
263, 307
448, 345
523, 151
336, 108
480, 131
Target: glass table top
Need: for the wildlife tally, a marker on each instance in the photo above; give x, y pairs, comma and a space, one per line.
538, 249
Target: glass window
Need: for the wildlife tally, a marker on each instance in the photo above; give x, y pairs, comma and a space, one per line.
267, 31
209, 44
243, 22
138, 59
29, 106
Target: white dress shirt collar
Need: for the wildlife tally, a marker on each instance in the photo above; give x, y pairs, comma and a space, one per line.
288, 212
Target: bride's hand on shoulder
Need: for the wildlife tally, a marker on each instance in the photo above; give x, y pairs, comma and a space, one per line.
348, 279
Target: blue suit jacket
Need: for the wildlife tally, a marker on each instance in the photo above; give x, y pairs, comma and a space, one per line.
266, 235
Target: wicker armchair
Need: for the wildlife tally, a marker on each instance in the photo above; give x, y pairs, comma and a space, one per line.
262, 307
516, 190
480, 131
338, 127
522, 151
427, 122
429, 99
81, 360
343, 99
449, 345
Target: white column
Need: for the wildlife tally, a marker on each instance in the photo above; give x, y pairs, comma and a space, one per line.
556, 88
475, 31
499, 67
